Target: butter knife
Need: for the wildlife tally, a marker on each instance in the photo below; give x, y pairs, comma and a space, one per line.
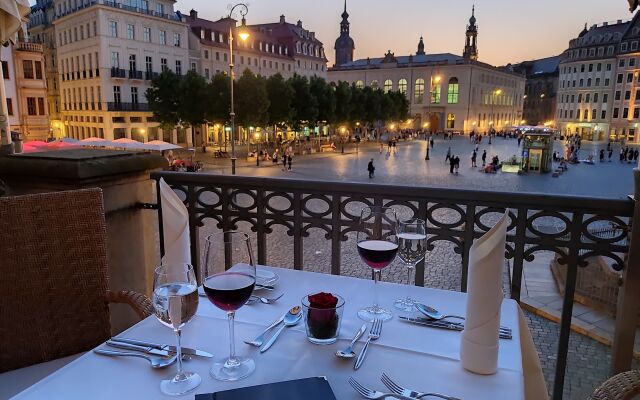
143, 349
445, 325
165, 347
503, 329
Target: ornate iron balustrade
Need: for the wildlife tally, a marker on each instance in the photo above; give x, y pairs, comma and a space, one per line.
581, 227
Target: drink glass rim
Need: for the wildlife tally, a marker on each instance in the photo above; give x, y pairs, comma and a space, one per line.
161, 269
412, 221
305, 302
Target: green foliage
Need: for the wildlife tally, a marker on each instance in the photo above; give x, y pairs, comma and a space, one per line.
325, 98
163, 100
280, 95
344, 105
251, 100
193, 99
219, 99
305, 105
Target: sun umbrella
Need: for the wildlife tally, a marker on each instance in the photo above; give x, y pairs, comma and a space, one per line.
95, 141
35, 143
160, 145
61, 145
128, 143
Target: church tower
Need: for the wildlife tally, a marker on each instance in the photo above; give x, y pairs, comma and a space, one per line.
420, 51
344, 44
471, 44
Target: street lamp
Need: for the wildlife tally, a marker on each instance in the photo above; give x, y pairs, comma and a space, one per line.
243, 34
342, 131
496, 92
257, 137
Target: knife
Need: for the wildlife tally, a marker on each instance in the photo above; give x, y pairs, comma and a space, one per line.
163, 347
144, 349
503, 329
446, 325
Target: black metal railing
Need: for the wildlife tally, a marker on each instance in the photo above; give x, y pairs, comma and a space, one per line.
135, 74
118, 72
577, 221
119, 106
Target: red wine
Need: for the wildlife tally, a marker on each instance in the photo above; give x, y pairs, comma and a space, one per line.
229, 290
377, 253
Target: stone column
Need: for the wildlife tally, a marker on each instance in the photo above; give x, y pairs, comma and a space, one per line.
132, 234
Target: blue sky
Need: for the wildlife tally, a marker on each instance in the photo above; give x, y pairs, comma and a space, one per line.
510, 30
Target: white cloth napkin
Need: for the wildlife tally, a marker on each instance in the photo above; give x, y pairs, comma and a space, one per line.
11, 18
175, 225
479, 341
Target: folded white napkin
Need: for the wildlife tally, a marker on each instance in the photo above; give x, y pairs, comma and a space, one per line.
175, 225
479, 342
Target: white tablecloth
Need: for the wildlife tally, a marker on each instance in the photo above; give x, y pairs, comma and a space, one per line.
418, 357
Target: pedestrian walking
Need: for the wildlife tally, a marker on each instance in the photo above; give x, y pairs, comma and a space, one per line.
371, 168
484, 158
610, 153
601, 155
622, 155
431, 142
448, 157
289, 159
635, 155
452, 164
456, 164
284, 161
473, 159
519, 140
381, 147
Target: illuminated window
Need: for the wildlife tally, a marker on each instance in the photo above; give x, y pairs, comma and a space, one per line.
418, 90
388, 86
453, 91
374, 84
451, 121
402, 86
359, 84
435, 90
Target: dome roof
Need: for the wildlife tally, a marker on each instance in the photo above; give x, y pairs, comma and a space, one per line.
344, 41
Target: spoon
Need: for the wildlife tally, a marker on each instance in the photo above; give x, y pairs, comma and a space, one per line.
156, 362
433, 313
348, 352
290, 319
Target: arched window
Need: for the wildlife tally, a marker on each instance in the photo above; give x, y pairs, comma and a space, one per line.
359, 84
374, 84
435, 90
388, 86
451, 121
402, 86
418, 90
453, 91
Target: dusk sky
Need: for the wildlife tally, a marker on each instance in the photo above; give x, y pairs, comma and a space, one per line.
509, 30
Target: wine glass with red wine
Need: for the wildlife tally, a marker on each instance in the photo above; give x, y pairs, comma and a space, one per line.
229, 280
377, 246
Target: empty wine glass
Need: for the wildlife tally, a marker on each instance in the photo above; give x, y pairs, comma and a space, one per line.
230, 277
175, 300
412, 246
377, 247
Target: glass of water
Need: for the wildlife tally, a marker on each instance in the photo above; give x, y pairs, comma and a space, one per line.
412, 246
175, 300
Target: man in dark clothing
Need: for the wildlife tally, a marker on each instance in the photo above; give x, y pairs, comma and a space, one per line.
289, 159
452, 164
473, 159
635, 155
456, 163
431, 142
484, 158
601, 155
371, 168
610, 153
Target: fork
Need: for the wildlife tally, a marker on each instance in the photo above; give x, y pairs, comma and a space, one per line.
394, 387
264, 300
374, 334
258, 341
374, 394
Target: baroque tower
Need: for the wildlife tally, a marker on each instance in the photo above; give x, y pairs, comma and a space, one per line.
420, 51
471, 44
344, 44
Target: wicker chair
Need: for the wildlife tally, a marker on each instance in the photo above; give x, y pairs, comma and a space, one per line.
53, 277
623, 386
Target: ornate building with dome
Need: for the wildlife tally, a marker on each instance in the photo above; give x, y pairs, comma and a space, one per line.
446, 92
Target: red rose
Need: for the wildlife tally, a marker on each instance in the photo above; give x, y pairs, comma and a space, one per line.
323, 300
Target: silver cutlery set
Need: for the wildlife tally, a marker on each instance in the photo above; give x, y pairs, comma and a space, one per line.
397, 391
158, 355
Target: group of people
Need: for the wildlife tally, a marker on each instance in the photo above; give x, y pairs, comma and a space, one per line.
287, 158
628, 154
454, 162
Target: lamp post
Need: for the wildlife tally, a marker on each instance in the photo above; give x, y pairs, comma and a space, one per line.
257, 137
243, 34
496, 92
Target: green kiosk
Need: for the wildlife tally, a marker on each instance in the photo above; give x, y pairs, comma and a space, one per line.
537, 149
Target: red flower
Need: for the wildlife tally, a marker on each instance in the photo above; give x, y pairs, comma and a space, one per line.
323, 300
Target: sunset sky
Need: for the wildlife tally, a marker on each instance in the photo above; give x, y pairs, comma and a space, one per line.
509, 30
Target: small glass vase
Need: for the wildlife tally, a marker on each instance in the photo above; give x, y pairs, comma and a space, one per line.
322, 324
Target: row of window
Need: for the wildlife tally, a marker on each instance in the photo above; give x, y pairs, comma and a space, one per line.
65, 7
582, 53
584, 114
453, 89
35, 106
147, 34
272, 64
148, 63
30, 69
570, 99
78, 63
584, 67
81, 95
77, 33
117, 95
581, 82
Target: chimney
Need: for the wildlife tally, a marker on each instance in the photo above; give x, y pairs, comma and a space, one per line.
594, 26
299, 24
605, 24
193, 13
619, 21
282, 21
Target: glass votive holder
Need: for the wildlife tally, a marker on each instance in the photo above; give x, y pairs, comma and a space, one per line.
322, 317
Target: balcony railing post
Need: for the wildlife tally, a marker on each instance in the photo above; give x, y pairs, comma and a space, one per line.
194, 230
627, 310
260, 227
336, 233
518, 253
297, 231
422, 214
470, 227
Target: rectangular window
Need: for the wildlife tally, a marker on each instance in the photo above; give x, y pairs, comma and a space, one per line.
40, 105
627, 95
176, 39
621, 63
134, 95
116, 94
617, 95
38, 68
625, 112
636, 113
629, 78
599, 67
579, 97
193, 67
178, 67
163, 37
115, 59
606, 81
113, 28
616, 111
435, 92
146, 34
594, 114
587, 97
579, 115
131, 33
620, 77
632, 62
603, 114
206, 54
31, 106
163, 64
132, 63
605, 97
217, 56
590, 67
206, 73
160, 9
597, 81
27, 67
595, 97
5, 70
148, 62
224, 57
9, 107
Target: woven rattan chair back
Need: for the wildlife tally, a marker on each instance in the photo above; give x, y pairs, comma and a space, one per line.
623, 386
53, 276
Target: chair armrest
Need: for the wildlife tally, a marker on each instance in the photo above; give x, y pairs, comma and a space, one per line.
139, 302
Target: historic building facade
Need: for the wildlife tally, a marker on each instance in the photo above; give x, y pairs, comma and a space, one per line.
25, 85
598, 95
540, 92
446, 92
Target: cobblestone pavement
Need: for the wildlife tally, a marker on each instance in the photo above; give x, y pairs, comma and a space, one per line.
588, 360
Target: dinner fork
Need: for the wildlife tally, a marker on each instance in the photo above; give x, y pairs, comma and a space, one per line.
374, 394
264, 300
394, 387
374, 334
258, 341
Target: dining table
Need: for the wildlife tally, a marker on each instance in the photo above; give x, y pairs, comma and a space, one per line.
418, 357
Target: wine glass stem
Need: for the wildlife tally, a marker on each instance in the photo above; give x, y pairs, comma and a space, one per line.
410, 272
232, 341
178, 333
377, 275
